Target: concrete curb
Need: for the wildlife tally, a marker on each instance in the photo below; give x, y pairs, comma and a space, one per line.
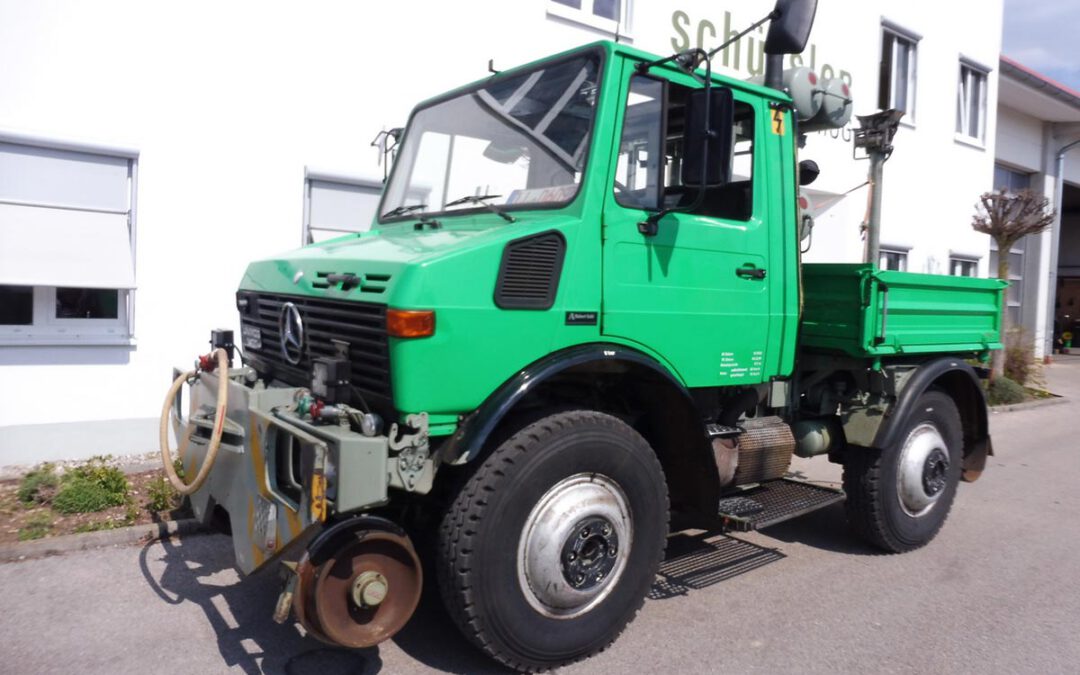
1028, 405
123, 536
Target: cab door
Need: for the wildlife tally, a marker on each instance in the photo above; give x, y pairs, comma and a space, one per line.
697, 291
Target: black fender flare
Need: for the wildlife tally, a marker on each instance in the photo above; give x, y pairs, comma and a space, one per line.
472, 434
959, 380
328, 540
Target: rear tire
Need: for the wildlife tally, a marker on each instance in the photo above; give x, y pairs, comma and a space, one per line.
898, 498
549, 549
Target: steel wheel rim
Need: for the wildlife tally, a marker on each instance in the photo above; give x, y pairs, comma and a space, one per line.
581, 527
923, 470
337, 615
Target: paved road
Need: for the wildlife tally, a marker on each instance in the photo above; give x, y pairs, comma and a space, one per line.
997, 592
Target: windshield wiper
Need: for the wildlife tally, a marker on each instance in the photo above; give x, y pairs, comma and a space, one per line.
480, 201
402, 210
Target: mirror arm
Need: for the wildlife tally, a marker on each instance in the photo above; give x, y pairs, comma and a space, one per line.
775, 14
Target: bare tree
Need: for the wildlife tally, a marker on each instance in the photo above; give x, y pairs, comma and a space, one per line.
1008, 217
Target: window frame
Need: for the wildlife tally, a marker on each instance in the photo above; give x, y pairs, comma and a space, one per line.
1016, 274
898, 34
46, 329
307, 229
964, 101
669, 78
584, 15
900, 251
601, 72
962, 261
1012, 173
665, 85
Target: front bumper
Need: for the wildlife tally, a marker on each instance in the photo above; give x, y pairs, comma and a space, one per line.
278, 478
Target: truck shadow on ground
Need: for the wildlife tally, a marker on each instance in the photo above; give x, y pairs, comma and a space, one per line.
825, 529
199, 569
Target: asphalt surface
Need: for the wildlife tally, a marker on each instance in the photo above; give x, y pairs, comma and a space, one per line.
996, 592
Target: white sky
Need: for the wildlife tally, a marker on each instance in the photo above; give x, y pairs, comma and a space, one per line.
1044, 35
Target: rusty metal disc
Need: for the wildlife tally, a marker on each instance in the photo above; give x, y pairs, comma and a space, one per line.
338, 615
304, 600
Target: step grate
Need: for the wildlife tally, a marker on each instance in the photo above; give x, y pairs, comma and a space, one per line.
774, 502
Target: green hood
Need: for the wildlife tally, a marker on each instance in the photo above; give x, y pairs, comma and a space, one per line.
383, 260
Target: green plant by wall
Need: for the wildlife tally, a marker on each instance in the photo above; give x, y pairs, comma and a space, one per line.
162, 496
36, 527
1019, 356
39, 485
1005, 391
90, 487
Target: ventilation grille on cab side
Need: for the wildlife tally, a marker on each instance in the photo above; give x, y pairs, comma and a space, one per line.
529, 273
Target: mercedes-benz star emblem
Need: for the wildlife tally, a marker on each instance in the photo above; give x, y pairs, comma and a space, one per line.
291, 327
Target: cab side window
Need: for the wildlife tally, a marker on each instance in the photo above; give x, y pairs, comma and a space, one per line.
657, 109
638, 170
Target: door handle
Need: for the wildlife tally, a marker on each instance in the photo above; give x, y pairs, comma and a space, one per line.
750, 272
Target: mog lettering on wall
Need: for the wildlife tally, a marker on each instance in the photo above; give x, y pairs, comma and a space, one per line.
746, 55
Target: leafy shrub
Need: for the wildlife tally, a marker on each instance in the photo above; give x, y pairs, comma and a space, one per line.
93, 486
80, 495
162, 496
37, 526
39, 485
1004, 391
1019, 356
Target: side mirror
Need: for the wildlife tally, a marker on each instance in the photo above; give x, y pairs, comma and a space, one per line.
790, 27
808, 171
717, 134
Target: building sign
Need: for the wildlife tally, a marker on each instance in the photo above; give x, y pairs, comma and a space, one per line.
746, 55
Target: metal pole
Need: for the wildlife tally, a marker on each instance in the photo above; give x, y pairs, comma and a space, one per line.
873, 224
1055, 240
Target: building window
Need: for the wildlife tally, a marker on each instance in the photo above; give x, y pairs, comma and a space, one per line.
892, 259
67, 236
1014, 295
971, 102
963, 267
1011, 180
896, 83
336, 204
610, 16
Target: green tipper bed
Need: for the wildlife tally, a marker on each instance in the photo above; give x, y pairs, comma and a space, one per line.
864, 312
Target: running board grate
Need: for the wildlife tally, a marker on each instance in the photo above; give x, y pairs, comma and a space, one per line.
774, 502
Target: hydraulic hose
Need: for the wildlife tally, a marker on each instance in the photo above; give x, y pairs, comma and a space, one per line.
215, 438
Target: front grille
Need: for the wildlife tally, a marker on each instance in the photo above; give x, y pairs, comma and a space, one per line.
362, 325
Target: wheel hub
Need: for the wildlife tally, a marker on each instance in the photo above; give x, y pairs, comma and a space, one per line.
923, 470
574, 545
934, 472
590, 552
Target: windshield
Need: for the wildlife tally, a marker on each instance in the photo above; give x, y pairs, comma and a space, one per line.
518, 141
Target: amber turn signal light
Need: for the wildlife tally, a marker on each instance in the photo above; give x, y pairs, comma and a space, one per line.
408, 323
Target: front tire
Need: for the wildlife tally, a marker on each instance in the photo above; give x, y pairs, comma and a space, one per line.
898, 498
549, 549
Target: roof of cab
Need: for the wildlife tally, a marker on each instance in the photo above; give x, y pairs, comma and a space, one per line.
609, 48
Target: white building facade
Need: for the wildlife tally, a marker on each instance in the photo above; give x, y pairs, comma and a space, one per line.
1038, 119
147, 153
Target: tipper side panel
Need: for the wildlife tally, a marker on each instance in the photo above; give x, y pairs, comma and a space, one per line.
863, 312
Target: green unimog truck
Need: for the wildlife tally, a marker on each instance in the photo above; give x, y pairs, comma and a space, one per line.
579, 314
